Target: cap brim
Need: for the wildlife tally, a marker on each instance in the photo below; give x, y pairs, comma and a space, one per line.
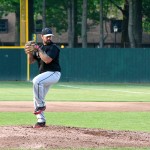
48, 35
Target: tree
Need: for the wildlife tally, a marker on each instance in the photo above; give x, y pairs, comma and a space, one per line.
56, 15
101, 42
146, 15
145, 10
84, 24
135, 23
125, 19
70, 24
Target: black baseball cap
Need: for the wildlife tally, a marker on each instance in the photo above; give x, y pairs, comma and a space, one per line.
47, 32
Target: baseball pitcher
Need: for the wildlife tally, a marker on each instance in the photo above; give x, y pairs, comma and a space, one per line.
47, 57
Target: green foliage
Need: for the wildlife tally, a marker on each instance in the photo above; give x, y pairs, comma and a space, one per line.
146, 26
146, 8
93, 10
9, 6
146, 16
58, 17
56, 11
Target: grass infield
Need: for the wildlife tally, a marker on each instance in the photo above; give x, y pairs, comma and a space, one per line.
131, 121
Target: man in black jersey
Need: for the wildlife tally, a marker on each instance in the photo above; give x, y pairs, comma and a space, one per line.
47, 57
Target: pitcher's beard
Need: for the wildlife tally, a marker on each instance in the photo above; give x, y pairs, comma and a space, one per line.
48, 42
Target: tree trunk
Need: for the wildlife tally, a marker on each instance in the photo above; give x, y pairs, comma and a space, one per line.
84, 24
70, 42
125, 21
135, 23
73, 22
101, 42
138, 23
131, 25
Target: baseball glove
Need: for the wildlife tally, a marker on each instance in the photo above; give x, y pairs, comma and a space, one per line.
31, 46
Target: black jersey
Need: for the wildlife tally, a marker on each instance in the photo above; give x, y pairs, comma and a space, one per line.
52, 51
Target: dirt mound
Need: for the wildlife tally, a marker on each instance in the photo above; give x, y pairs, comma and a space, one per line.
55, 137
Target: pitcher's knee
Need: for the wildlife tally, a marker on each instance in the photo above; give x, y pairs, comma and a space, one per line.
35, 81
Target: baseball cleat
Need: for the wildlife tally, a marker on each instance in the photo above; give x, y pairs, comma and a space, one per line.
39, 110
39, 125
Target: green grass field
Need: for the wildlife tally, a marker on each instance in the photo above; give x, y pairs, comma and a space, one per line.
137, 121
131, 121
19, 91
100, 92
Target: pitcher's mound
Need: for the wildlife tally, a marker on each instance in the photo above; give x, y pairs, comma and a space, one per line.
60, 137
